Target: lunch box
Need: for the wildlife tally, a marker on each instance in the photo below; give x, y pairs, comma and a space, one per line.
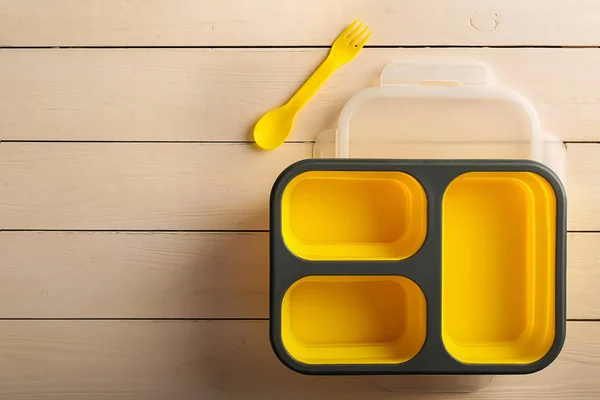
427, 236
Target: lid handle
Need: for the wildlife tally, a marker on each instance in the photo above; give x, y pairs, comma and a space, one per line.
455, 73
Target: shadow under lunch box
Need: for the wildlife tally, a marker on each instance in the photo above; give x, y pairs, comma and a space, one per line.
395, 266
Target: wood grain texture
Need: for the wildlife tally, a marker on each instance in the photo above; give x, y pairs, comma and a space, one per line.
313, 22
134, 275
181, 275
583, 184
183, 186
209, 95
226, 360
218, 95
583, 275
139, 186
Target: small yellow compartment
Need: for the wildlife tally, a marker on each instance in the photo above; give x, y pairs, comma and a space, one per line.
353, 320
498, 267
354, 215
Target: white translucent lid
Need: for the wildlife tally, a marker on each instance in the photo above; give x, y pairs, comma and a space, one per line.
450, 110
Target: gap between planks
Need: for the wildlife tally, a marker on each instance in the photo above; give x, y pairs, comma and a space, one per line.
241, 142
299, 47
196, 319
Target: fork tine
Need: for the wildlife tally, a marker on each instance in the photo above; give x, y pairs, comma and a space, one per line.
359, 37
349, 29
364, 41
352, 34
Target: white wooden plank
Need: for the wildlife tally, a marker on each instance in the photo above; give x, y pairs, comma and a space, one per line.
312, 22
583, 185
218, 95
141, 275
181, 275
227, 360
182, 186
583, 274
139, 186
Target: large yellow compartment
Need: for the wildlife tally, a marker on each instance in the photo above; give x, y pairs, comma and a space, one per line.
354, 215
353, 320
498, 267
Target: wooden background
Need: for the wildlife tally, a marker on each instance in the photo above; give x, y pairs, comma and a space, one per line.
133, 208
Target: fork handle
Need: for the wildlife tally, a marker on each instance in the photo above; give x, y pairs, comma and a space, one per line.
312, 84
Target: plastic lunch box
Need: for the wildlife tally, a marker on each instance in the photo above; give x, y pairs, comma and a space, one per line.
433, 244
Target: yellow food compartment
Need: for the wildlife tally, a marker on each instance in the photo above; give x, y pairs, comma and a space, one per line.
354, 215
498, 267
353, 320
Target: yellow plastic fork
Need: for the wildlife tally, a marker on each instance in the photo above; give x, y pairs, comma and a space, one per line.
275, 126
